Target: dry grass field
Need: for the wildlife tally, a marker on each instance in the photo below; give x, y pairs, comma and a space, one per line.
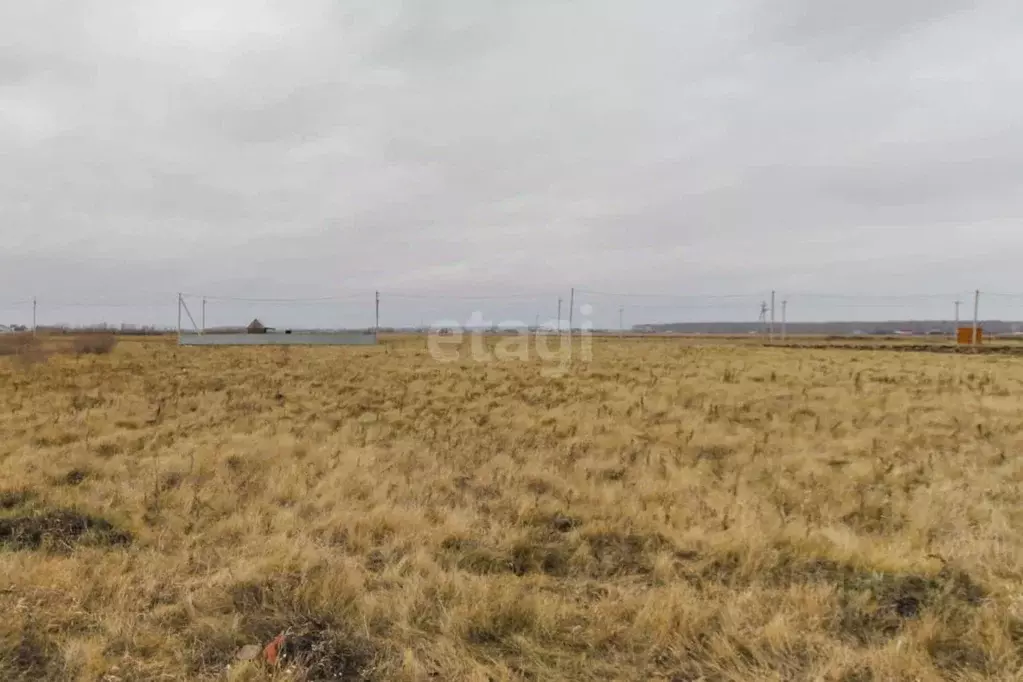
666, 511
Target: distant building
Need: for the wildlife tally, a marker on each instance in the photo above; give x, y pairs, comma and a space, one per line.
256, 327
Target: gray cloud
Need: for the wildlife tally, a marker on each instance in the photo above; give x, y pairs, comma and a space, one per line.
837, 29
266, 148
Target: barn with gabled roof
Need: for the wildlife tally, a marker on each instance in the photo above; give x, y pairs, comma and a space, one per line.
256, 327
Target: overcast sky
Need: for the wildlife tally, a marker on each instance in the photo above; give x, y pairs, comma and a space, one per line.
488, 147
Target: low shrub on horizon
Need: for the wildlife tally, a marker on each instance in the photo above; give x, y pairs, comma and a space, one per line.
94, 344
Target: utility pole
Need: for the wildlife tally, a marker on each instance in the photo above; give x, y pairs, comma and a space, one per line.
35, 307
784, 319
571, 310
203, 329
955, 330
771, 337
621, 321
376, 328
179, 317
559, 314
976, 309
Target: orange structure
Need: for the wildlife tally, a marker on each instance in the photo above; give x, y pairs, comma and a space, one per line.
964, 336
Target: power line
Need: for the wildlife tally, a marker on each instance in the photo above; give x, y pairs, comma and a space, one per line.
482, 297
871, 305
674, 296
244, 299
1001, 295
690, 306
792, 295
97, 304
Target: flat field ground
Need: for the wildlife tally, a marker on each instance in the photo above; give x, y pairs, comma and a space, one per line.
663, 511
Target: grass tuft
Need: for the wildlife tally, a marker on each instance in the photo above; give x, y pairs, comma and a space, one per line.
670, 510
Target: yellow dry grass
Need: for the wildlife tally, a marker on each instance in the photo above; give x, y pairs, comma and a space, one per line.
669, 510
